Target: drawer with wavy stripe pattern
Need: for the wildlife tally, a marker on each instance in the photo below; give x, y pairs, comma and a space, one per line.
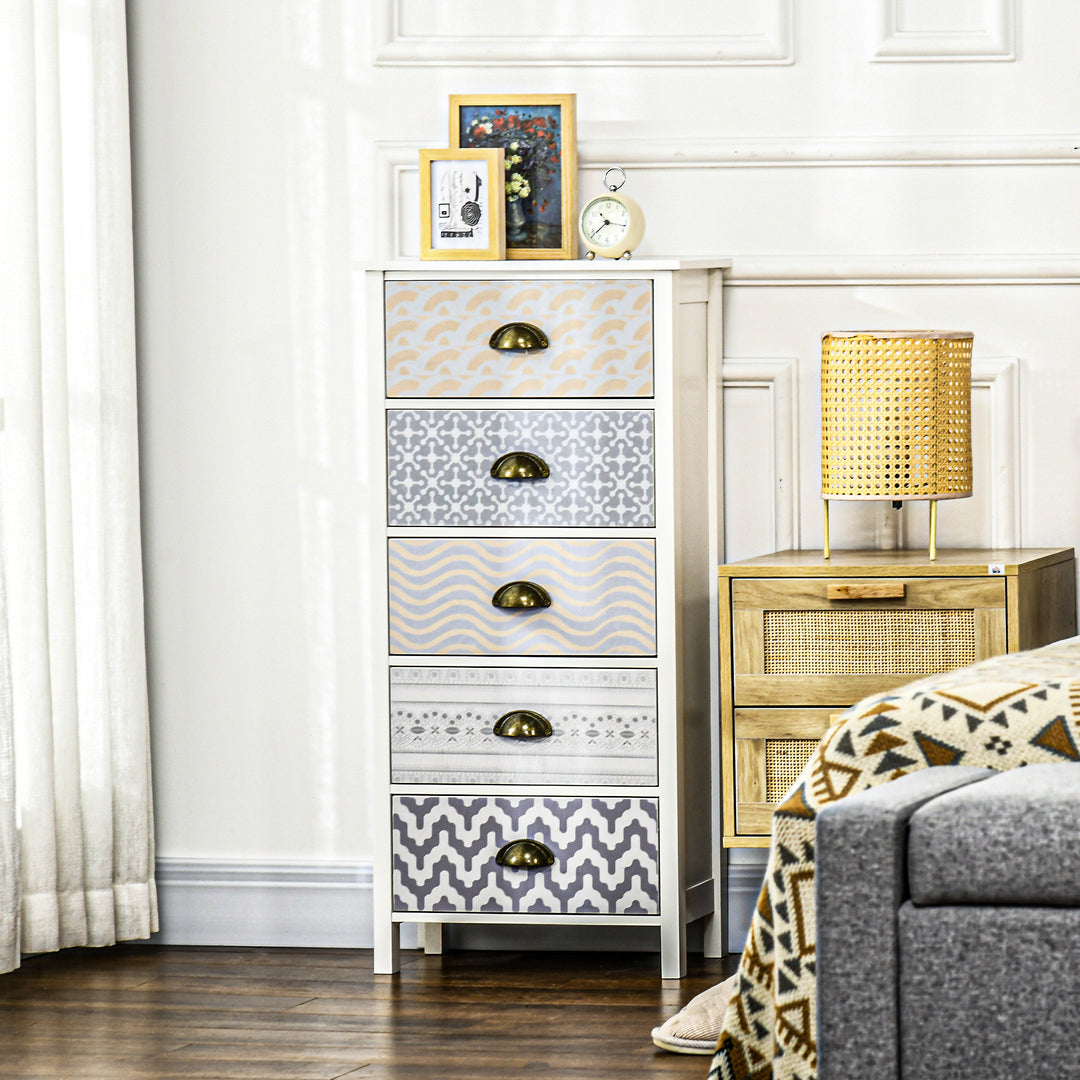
602, 597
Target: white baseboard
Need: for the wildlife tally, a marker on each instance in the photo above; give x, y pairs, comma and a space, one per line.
745, 873
328, 905
280, 904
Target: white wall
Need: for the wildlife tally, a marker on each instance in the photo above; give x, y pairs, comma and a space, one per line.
866, 163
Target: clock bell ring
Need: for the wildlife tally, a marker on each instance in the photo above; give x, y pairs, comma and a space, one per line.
611, 225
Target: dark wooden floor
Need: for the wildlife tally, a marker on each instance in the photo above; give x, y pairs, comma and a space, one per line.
154, 1012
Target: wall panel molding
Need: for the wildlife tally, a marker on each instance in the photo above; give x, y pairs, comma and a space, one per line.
996, 450
903, 269
850, 151
776, 380
1000, 378
808, 151
905, 34
396, 165
765, 38
397, 186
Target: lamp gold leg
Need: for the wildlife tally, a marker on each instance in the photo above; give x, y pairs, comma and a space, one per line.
826, 550
933, 529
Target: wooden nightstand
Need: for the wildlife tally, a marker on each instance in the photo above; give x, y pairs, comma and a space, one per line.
802, 638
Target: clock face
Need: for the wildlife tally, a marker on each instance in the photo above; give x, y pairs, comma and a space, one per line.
605, 221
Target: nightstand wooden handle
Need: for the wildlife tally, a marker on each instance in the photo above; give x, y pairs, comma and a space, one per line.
876, 590
525, 855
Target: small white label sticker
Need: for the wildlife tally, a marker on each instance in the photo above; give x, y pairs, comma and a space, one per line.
996, 569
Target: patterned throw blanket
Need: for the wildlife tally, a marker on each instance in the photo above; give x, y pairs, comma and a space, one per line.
1000, 713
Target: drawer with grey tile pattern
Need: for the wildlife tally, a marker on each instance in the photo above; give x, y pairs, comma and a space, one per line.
520, 467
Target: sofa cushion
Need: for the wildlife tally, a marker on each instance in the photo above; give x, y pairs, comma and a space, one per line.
1011, 839
987, 993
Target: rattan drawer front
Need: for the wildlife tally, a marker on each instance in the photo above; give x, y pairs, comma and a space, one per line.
605, 851
859, 642
795, 646
600, 336
443, 724
600, 467
771, 748
784, 761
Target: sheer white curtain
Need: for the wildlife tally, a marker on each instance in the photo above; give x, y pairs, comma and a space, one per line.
76, 819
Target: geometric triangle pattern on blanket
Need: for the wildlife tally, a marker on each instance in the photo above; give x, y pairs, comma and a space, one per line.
1057, 738
796, 805
1003, 713
987, 696
936, 751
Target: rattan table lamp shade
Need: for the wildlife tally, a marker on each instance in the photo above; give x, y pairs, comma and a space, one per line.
896, 417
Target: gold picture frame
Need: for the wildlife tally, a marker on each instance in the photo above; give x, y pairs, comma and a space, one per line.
540, 132
461, 205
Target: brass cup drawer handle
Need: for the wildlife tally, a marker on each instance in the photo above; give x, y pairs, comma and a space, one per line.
520, 465
876, 590
518, 335
525, 855
521, 594
523, 724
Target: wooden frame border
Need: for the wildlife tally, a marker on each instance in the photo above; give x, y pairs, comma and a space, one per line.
495, 207
567, 104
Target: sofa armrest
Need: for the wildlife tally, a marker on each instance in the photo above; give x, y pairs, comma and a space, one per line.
860, 855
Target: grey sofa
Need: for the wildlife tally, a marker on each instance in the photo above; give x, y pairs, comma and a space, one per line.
948, 927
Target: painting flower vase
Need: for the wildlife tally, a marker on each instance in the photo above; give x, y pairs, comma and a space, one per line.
515, 221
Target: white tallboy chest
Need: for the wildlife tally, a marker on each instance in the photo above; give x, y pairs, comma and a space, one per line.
544, 595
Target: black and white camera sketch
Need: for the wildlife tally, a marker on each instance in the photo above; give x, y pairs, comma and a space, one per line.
459, 217
459, 206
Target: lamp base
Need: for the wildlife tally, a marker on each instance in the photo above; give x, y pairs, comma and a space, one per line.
826, 550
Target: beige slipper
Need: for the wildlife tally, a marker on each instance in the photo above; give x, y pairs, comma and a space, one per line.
695, 1029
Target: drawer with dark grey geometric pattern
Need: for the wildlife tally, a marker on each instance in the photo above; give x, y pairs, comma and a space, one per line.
603, 852
482, 725
602, 596
599, 464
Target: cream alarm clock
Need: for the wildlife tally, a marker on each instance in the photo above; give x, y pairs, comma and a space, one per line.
611, 224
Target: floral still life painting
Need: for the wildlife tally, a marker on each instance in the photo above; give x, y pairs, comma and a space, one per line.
537, 136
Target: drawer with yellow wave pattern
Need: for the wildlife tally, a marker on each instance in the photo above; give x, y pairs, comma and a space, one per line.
527, 597
599, 338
